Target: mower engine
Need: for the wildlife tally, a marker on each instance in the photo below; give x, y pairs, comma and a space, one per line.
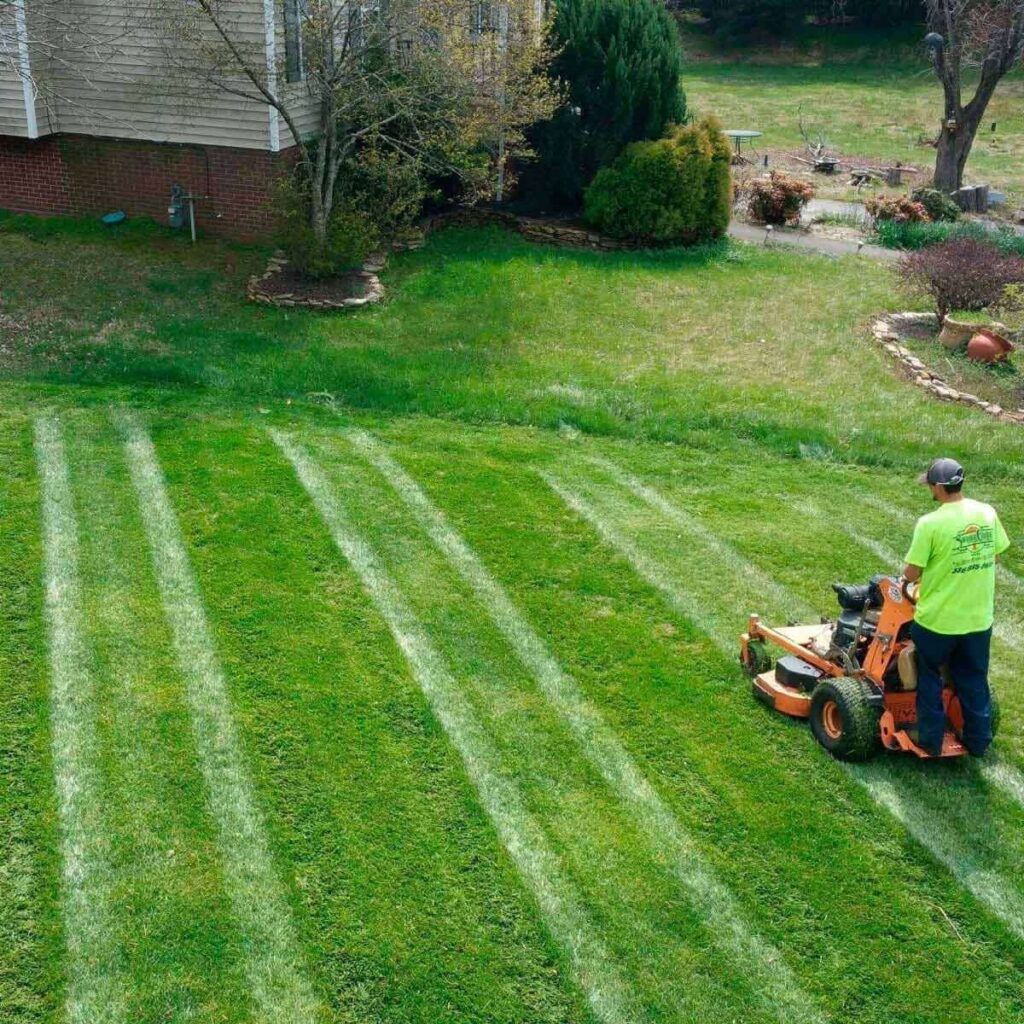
855, 677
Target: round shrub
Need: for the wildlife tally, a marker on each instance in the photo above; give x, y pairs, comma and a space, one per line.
940, 207
963, 273
671, 191
900, 209
778, 199
620, 62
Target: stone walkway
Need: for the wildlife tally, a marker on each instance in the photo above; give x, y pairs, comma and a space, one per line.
757, 235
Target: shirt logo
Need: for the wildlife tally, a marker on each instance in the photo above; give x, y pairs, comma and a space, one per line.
972, 539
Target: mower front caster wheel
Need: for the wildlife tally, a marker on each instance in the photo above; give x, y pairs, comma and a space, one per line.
843, 721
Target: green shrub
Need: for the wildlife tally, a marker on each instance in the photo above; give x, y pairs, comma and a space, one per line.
937, 203
620, 62
673, 190
351, 237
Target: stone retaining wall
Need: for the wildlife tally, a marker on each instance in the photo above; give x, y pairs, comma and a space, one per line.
890, 330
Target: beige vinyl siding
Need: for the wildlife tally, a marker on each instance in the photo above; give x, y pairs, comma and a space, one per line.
12, 92
301, 105
120, 84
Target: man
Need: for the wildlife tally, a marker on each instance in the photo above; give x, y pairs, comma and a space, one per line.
953, 555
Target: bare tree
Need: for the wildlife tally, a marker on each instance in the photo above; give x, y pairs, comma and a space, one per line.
429, 79
968, 37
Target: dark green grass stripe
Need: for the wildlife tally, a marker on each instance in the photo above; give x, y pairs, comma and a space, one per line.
174, 922
609, 993
662, 931
31, 977
788, 831
409, 910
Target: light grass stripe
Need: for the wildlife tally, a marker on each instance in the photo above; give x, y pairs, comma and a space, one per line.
96, 993
273, 964
609, 996
697, 529
935, 836
646, 567
771, 980
992, 889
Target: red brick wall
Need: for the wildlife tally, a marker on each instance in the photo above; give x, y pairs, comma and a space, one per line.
84, 175
31, 176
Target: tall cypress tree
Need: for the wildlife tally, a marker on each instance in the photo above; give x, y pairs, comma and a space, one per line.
620, 61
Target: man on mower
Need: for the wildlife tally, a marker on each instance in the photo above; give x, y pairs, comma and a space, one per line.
953, 555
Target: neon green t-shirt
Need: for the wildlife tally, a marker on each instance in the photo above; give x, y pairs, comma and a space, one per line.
956, 546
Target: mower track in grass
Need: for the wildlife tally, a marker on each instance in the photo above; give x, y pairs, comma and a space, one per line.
96, 988
609, 995
174, 922
31, 943
273, 963
726, 779
982, 860
751, 954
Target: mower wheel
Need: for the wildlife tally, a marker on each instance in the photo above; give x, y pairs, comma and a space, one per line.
843, 721
756, 658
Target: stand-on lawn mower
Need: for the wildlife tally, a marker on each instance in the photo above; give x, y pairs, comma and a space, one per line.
855, 678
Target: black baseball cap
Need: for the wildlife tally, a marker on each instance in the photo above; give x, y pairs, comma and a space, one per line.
943, 471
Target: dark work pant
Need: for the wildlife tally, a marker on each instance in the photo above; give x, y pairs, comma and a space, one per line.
967, 658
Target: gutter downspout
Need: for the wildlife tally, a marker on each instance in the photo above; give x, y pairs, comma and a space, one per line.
270, 43
25, 70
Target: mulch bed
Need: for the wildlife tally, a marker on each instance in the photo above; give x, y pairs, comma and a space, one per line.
280, 285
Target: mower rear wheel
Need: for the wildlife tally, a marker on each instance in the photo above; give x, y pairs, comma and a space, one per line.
843, 721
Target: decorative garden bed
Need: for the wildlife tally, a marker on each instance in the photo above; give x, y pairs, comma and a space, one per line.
281, 286
893, 330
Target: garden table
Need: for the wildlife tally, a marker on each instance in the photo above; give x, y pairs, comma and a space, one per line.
740, 136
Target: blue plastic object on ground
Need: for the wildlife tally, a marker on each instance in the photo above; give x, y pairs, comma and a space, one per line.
110, 219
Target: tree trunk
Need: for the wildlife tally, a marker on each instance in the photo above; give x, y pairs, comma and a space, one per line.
953, 150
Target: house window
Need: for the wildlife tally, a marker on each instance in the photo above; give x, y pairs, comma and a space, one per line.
292, 41
480, 18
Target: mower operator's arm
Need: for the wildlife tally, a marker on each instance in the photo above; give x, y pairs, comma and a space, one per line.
912, 573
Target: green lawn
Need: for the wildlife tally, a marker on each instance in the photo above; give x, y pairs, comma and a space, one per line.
871, 101
382, 668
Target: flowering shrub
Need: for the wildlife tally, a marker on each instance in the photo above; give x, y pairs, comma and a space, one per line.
964, 273
777, 199
900, 209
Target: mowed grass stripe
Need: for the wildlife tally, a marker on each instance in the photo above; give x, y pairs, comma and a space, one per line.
607, 993
934, 834
95, 986
927, 828
273, 965
175, 926
771, 979
698, 530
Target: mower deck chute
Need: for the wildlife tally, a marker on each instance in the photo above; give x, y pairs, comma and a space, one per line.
855, 678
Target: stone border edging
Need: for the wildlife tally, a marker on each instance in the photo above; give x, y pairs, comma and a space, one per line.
886, 331
534, 229
277, 262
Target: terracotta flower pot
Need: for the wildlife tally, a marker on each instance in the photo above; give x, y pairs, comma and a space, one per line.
955, 333
988, 347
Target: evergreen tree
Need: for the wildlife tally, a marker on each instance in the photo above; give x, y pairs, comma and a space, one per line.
620, 61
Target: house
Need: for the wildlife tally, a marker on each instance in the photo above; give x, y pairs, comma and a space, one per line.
98, 112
